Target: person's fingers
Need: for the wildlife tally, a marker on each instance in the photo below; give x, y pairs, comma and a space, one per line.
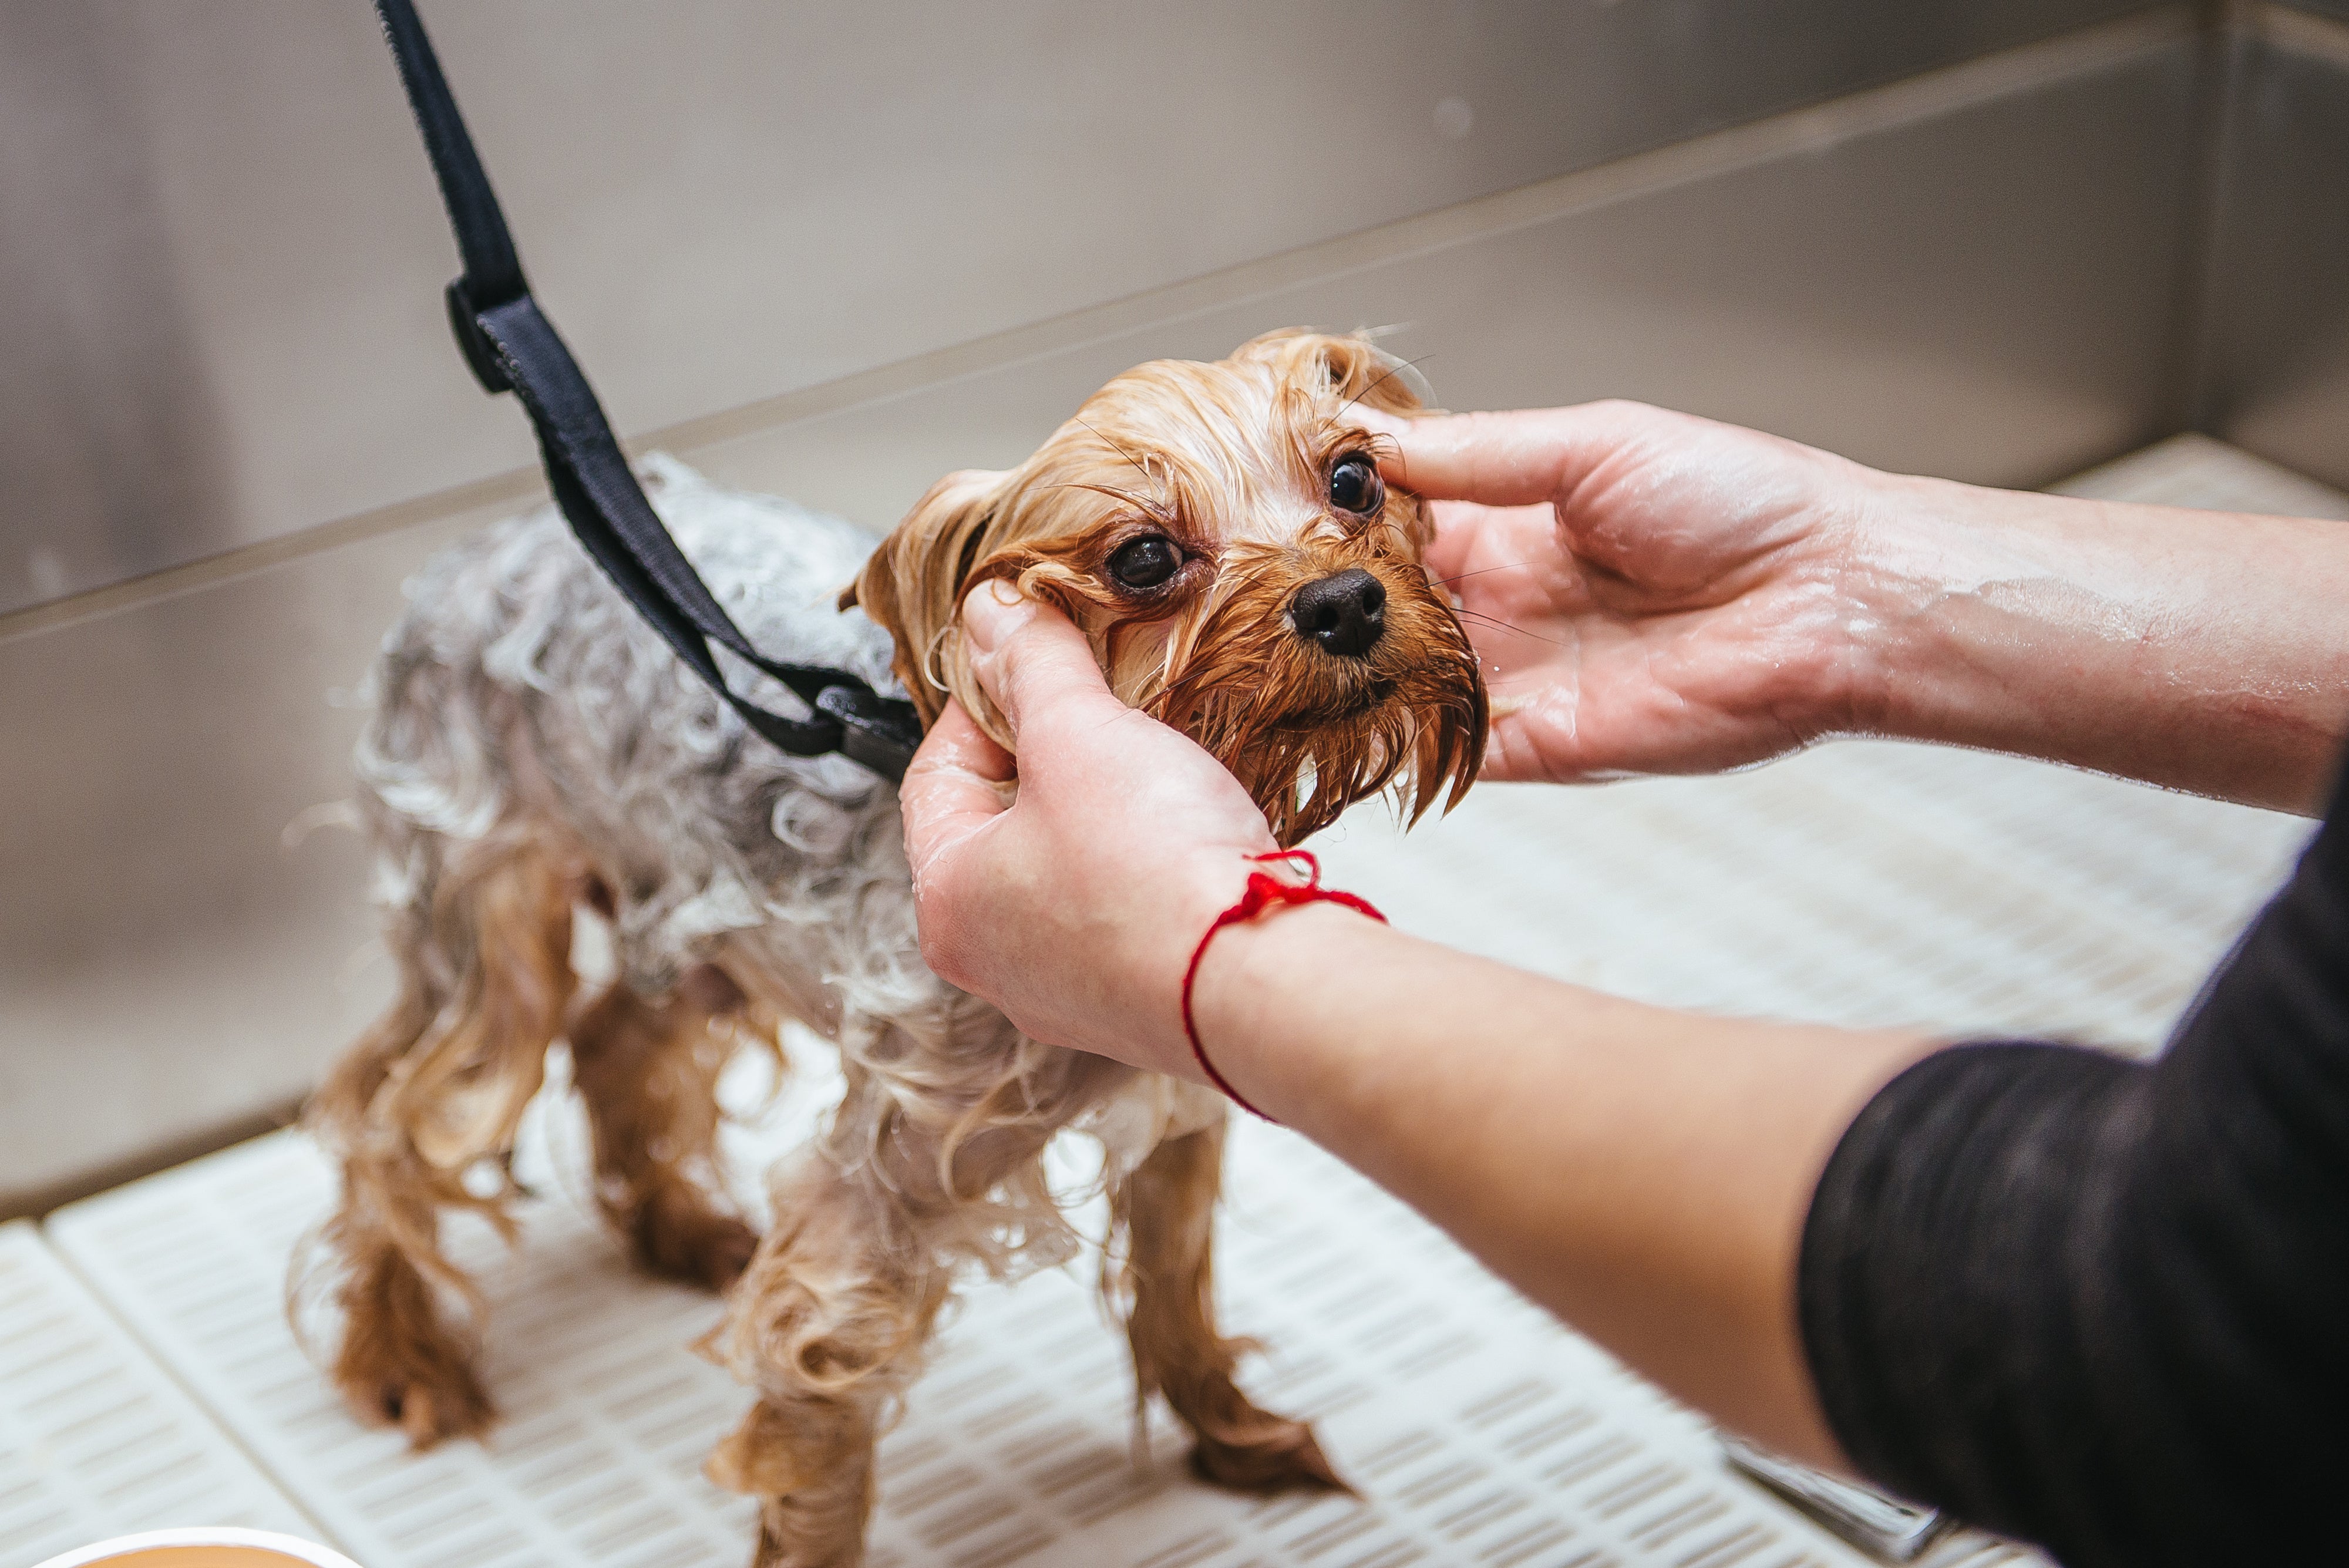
1458, 525
951, 787
1449, 550
1029, 659
956, 745
1481, 542
1510, 458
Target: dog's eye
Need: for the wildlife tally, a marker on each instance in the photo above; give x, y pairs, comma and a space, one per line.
1355, 486
1146, 562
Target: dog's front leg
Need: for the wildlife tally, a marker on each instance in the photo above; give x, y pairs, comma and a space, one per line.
1167, 1211
829, 1322
922, 1176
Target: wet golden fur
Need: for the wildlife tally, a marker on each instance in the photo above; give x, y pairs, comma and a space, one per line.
538, 758
1232, 460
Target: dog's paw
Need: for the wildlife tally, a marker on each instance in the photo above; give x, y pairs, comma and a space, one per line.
430, 1395
399, 1365
431, 1414
812, 1472
679, 1236
1264, 1453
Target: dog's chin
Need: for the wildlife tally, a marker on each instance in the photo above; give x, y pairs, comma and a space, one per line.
1310, 733
1304, 765
1363, 705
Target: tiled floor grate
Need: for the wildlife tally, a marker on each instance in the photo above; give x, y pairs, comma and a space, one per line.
1477, 1429
96, 1439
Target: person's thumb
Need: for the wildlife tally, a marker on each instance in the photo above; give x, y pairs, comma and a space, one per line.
1514, 459
1028, 657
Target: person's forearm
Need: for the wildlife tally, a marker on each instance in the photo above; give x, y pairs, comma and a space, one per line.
2200, 651
1643, 1173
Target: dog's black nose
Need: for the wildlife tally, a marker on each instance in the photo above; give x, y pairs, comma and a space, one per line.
1344, 613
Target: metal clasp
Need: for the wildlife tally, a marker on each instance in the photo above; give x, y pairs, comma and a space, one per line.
882, 732
472, 342
1887, 1527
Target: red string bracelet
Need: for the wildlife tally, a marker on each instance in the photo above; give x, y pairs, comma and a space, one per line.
1263, 890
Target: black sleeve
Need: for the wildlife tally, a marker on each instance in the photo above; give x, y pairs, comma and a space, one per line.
2103, 1305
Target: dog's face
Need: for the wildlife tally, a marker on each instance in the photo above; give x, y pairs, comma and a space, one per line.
1222, 536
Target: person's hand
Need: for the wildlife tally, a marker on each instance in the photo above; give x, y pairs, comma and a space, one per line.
1076, 907
1652, 593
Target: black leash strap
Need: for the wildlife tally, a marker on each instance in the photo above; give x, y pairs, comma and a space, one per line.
512, 346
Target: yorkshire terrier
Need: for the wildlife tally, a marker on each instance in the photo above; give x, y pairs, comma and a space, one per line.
1222, 535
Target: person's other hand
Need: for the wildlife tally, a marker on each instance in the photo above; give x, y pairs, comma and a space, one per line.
1652, 593
1076, 907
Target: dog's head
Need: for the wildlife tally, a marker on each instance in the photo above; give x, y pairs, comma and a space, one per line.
1222, 536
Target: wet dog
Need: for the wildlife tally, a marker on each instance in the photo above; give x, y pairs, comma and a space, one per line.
537, 756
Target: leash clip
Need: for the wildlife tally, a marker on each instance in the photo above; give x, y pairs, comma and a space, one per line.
881, 732
481, 354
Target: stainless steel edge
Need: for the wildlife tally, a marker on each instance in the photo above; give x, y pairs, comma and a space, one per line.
2276, 359
2338, 9
224, 256
2086, 51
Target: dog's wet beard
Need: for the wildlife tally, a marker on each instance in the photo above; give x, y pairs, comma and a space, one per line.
1307, 732
1311, 733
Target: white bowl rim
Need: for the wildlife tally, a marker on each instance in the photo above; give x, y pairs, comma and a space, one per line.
293, 1546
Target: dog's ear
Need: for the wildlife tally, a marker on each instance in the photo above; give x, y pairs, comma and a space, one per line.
1350, 366
912, 583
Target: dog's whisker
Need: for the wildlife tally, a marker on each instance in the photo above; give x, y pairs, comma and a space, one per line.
1138, 463
1392, 371
1151, 509
1463, 576
1497, 622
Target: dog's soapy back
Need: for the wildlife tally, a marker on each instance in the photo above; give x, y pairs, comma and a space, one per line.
512, 346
